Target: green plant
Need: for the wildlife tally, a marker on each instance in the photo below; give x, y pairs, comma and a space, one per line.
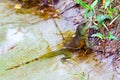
109, 36
98, 15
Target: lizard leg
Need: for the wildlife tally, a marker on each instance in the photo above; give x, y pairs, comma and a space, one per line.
64, 59
68, 55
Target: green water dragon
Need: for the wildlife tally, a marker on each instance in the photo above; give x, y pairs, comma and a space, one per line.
76, 43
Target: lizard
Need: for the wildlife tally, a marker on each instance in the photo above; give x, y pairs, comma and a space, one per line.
45, 56
75, 44
80, 39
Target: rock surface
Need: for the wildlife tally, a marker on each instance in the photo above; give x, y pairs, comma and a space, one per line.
24, 37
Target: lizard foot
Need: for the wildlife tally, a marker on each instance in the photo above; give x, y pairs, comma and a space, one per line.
65, 59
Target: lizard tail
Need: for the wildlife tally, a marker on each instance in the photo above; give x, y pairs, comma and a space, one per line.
44, 56
22, 64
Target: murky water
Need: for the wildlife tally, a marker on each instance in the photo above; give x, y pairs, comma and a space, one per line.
25, 37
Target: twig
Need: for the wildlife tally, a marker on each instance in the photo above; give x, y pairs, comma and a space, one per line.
106, 27
113, 20
68, 9
58, 29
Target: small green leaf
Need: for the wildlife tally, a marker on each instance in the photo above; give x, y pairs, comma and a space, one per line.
94, 3
77, 1
100, 18
99, 35
83, 4
107, 3
111, 11
110, 37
